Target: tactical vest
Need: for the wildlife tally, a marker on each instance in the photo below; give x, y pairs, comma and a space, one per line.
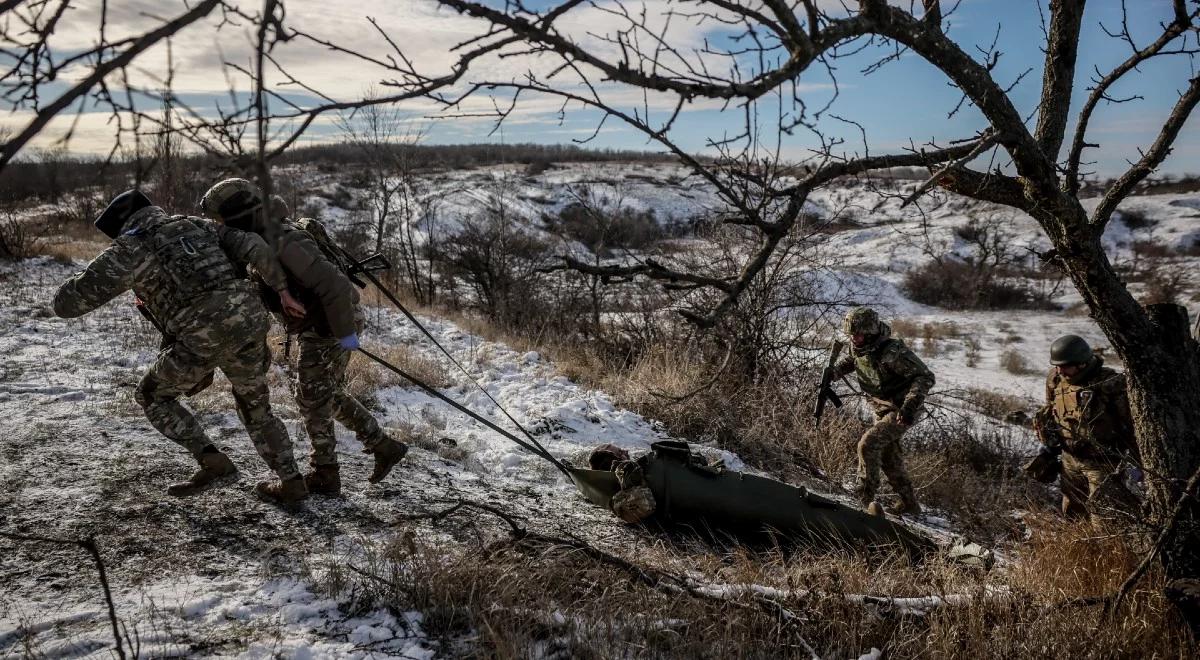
1086, 421
190, 264
878, 382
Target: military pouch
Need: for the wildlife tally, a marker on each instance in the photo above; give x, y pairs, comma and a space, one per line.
1045, 467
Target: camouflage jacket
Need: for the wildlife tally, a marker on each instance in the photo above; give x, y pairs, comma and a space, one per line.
890, 373
318, 282
1090, 412
175, 264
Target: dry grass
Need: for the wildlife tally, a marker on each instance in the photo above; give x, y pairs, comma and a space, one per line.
534, 596
994, 404
1014, 362
364, 376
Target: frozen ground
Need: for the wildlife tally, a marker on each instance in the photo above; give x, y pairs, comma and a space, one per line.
223, 574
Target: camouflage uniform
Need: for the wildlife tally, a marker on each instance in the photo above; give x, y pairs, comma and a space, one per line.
1093, 426
334, 312
181, 268
896, 381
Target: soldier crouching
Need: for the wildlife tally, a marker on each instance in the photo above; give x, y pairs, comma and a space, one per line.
897, 381
1087, 420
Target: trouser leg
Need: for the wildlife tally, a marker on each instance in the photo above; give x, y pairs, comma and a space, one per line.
174, 372
871, 447
1074, 487
315, 395
892, 463
247, 372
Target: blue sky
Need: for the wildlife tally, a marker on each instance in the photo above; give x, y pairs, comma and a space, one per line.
909, 98
906, 99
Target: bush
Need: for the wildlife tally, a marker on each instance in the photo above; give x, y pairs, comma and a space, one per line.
16, 240
1014, 362
603, 230
1136, 219
952, 284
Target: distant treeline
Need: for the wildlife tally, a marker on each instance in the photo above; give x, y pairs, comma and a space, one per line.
47, 175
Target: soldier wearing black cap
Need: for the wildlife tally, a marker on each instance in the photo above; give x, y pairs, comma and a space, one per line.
187, 272
1087, 418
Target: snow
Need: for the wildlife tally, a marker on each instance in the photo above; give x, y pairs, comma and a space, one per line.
227, 576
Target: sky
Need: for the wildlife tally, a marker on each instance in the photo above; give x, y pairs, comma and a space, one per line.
906, 101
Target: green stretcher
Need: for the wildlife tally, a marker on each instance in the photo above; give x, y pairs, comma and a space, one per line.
688, 493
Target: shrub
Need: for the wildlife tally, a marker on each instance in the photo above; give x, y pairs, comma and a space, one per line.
16, 239
1014, 362
1136, 219
955, 285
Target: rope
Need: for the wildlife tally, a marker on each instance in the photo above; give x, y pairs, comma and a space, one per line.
412, 319
535, 449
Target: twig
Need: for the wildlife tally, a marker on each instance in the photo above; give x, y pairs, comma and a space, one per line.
89, 545
1168, 530
651, 577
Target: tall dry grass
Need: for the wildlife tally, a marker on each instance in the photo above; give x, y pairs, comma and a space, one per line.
658, 597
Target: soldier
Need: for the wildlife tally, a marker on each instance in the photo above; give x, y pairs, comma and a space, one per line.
317, 274
896, 380
1087, 419
186, 272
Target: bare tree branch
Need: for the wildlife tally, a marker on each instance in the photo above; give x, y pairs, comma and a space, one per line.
1150, 160
89, 545
101, 70
1173, 30
1058, 78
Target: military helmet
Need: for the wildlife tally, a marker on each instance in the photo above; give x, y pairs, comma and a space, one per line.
861, 321
233, 202
1070, 349
279, 207
117, 213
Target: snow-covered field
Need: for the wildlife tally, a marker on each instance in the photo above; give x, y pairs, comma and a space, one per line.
223, 574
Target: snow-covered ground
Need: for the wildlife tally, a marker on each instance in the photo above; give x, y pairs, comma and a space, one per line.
223, 574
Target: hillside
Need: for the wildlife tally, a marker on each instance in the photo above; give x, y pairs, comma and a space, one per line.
223, 574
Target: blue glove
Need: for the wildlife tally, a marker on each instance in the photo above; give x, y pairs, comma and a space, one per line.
349, 342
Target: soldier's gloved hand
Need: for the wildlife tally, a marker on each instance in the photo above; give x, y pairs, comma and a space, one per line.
904, 418
349, 342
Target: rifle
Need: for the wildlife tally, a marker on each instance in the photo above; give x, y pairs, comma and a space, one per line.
825, 389
1047, 465
372, 264
167, 340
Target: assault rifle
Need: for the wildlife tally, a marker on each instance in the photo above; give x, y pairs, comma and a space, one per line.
1047, 465
825, 389
167, 340
372, 264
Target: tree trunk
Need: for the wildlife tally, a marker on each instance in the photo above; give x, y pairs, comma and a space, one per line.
1162, 367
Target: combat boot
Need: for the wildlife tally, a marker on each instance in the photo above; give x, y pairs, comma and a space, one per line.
906, 506
324, 480
287, 492
387, 454
213, 466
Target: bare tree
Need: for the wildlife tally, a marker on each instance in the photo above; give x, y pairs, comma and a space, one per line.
774, 42
766, 46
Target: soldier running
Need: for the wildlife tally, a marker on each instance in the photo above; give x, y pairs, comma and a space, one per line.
897, 381
328, 334
186, 272
1087, 419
